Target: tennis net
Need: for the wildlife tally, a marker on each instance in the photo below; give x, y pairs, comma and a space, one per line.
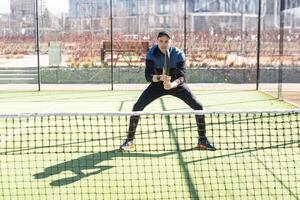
76, 156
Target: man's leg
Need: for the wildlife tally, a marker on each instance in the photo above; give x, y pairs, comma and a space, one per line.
185, 94
153, 92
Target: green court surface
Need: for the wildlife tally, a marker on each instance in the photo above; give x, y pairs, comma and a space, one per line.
111, 101
77, 157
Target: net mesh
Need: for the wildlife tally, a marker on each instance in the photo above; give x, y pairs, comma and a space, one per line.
71, 156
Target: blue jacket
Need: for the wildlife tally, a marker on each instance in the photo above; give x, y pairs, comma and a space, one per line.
155, 60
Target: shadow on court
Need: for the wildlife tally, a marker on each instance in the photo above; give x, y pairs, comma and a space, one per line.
90, 162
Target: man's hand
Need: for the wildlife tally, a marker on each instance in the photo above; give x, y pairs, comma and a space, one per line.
157, 78
167, 81
165, 78
169, 85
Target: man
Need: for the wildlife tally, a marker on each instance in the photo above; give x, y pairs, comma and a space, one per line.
166, 81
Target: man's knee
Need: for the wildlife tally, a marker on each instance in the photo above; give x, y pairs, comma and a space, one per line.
137, 107
197, 106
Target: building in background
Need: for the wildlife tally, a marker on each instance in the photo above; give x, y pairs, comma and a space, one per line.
138, 16
87, 16
24, 9
146, 16
22, 21
4, 25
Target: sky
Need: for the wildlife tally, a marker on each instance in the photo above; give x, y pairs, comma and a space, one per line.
55, 6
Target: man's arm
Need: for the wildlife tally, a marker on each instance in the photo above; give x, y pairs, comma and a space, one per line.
149, 72
180, 73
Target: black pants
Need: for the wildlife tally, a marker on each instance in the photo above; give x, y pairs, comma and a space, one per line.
156, 90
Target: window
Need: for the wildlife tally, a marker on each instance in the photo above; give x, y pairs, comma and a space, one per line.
161, 20
164, 7
166, 20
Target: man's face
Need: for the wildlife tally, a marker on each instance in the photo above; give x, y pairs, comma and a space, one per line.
163, 43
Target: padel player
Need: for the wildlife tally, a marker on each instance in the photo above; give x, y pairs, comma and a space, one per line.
166, 81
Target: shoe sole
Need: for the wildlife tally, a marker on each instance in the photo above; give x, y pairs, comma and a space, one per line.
205, 148
132, 148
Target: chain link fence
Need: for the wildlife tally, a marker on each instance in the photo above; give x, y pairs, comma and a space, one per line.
105, 41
